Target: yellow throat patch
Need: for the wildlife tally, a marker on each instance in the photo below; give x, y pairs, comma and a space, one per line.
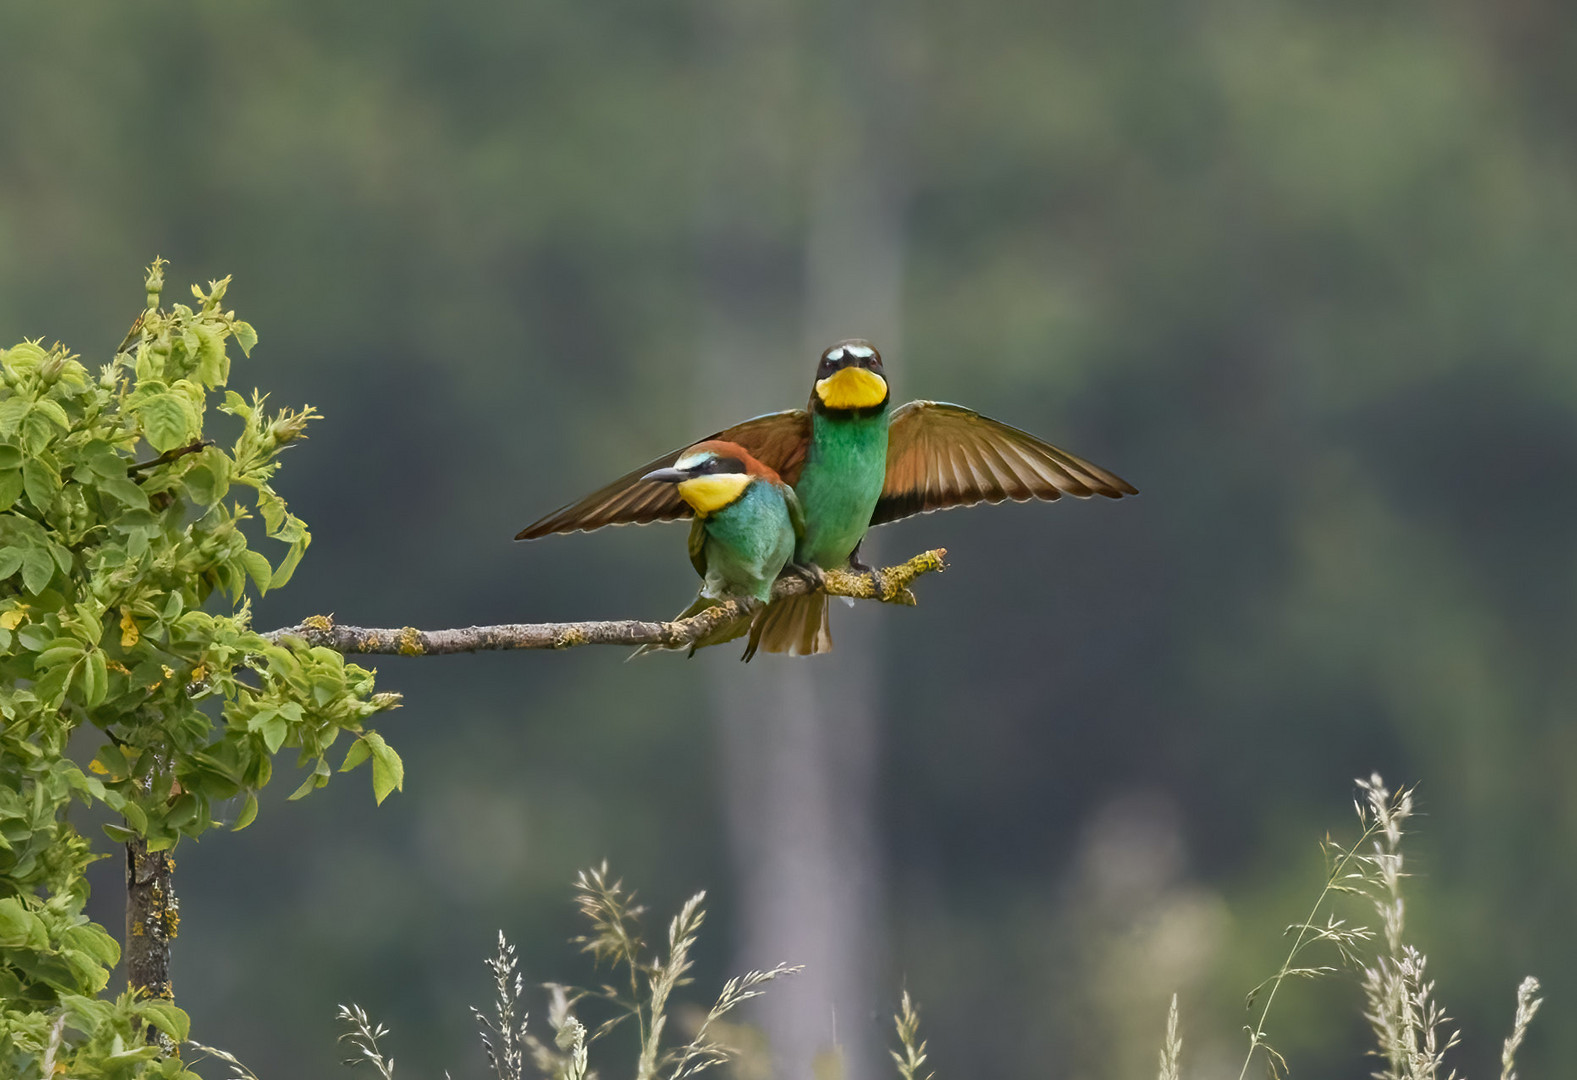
851, 388
707, 494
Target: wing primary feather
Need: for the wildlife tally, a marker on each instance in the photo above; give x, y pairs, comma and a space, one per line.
942, 455
965, 481
1008, 478
1052, 472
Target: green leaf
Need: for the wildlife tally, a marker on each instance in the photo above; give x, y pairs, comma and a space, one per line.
10, 561
260, 772
24, 357
327, 684
208, 482
182, 812
359, 751
37, 433
125, 491
113, 758
19, 927
272, 507
40, 426
190, 342
388, 771
62, 556
101, 459
123, 1056
10, 457
258, 570
274, 730
38, 566
168, 420
213, 366
95, 680
288, 565
88, 974
63, 650
41, 481
10, 487
234, 404
50, 410
308, 786
12, 410
150, 363
248, 812
89, 787
245, 336
95, 941
167, 1018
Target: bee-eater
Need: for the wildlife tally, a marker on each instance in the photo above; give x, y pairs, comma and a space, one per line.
854, 461
747, 521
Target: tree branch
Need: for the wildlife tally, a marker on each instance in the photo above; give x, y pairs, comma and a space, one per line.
167, 457
890, 586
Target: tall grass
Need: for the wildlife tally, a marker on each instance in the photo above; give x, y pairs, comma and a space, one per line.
643, 997
1412, 1032
1411, 1029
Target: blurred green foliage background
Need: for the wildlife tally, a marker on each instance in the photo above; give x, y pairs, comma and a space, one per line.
1301, 271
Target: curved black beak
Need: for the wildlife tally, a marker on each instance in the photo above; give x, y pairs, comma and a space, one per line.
666, 476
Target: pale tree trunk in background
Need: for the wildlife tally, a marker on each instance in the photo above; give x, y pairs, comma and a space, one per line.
799, 736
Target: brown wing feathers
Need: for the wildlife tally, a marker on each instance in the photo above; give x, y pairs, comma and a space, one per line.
777, 440
628, 500
941, 456
938, 456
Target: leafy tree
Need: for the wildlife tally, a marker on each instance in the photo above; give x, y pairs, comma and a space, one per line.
125, 566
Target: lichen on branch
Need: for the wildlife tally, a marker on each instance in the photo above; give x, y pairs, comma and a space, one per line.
888, 586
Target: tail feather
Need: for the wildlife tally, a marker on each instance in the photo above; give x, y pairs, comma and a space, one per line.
796, 625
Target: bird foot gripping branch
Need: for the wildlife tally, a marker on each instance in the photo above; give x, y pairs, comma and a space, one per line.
888, 586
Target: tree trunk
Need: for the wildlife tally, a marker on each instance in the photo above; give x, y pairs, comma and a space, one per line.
152, 917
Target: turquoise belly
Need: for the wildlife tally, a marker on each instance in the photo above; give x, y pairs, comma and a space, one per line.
747, 543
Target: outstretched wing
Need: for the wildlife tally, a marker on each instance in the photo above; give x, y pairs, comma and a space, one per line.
941, 456
777, 440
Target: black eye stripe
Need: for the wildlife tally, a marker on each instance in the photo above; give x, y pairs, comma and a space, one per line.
717, 465
828, 365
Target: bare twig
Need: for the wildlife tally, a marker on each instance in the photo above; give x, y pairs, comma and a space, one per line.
168, 456
890, 586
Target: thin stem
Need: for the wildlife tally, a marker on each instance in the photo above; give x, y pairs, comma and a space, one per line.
1256, 1037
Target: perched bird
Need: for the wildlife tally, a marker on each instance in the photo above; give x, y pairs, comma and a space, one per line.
747, 521
854, 461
